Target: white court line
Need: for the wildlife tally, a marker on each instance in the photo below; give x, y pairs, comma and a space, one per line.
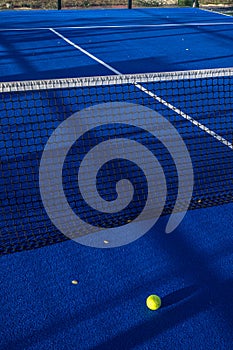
187, 117
154, 96
85, 52
218, 13
194, 24
22, 29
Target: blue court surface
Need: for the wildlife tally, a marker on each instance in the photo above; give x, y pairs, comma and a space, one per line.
190, 268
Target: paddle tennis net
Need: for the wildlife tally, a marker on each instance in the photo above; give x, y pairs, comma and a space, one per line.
199, 104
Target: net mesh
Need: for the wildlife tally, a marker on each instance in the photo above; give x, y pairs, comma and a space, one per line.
198, 103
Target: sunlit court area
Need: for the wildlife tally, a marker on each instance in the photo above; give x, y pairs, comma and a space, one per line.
116, 167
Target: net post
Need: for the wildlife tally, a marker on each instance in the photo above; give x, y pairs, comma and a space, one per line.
195, 3
59, 4
129, 4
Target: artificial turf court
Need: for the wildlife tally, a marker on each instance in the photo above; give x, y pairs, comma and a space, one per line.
191, 269
151, 40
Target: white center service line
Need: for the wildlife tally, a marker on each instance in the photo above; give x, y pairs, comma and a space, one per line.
153, 95
85, 52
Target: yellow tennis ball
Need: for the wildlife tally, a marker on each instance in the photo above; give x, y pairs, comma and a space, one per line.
153, 302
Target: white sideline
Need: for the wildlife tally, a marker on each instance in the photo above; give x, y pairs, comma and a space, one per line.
216, 12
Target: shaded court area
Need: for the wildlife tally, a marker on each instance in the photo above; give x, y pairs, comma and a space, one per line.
83, 59
190, 269
147, 40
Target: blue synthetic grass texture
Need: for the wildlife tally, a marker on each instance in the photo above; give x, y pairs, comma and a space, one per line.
40, 54
191, 269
